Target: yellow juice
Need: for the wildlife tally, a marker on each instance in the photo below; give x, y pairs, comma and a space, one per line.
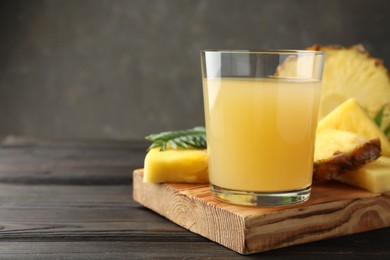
260, 133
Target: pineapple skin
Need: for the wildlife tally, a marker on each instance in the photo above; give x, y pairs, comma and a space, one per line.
337, 152
374, 177
330, 141
350, 116
176, 166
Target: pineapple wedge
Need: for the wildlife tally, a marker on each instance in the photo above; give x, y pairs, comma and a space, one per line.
374, 177
352, 72
349, 116
337, 151
185, 166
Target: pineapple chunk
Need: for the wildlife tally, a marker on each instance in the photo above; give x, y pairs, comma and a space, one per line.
185, 166
349, 116
338, 151
374, 177
352, 72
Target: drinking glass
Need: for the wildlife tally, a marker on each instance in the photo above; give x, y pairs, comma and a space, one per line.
261, 116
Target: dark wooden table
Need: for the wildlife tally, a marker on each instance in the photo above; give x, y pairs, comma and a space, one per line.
73, 200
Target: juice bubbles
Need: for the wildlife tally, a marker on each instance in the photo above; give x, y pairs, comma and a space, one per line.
260, 133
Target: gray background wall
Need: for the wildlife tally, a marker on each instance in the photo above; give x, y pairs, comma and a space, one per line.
124, 69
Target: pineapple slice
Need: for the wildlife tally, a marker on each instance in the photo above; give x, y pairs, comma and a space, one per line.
374, 177
352, 72
185, 166
349, 116
337, 151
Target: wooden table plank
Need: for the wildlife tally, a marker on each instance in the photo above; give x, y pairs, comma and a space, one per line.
63, 212
69, 158
59, 175
115, 250
22, 141
64, 195
335, 248
25, 161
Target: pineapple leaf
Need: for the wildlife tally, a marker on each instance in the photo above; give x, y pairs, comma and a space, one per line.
379, 116
387, 131
185, 139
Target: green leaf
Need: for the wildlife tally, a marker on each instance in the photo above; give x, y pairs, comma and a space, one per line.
185, 139
387, 131
379, 116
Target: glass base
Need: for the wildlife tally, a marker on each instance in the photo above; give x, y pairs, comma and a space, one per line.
254, 198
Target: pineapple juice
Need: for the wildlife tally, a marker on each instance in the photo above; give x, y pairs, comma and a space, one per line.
260, 133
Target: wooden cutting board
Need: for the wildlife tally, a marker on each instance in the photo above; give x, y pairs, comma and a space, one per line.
333, 210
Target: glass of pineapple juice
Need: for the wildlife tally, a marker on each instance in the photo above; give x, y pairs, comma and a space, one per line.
261, 116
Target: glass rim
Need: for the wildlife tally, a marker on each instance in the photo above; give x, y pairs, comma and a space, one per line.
270, 51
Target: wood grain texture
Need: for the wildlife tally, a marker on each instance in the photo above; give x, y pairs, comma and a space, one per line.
85, 213
183, 249
32, 161
333, 210
73, 200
